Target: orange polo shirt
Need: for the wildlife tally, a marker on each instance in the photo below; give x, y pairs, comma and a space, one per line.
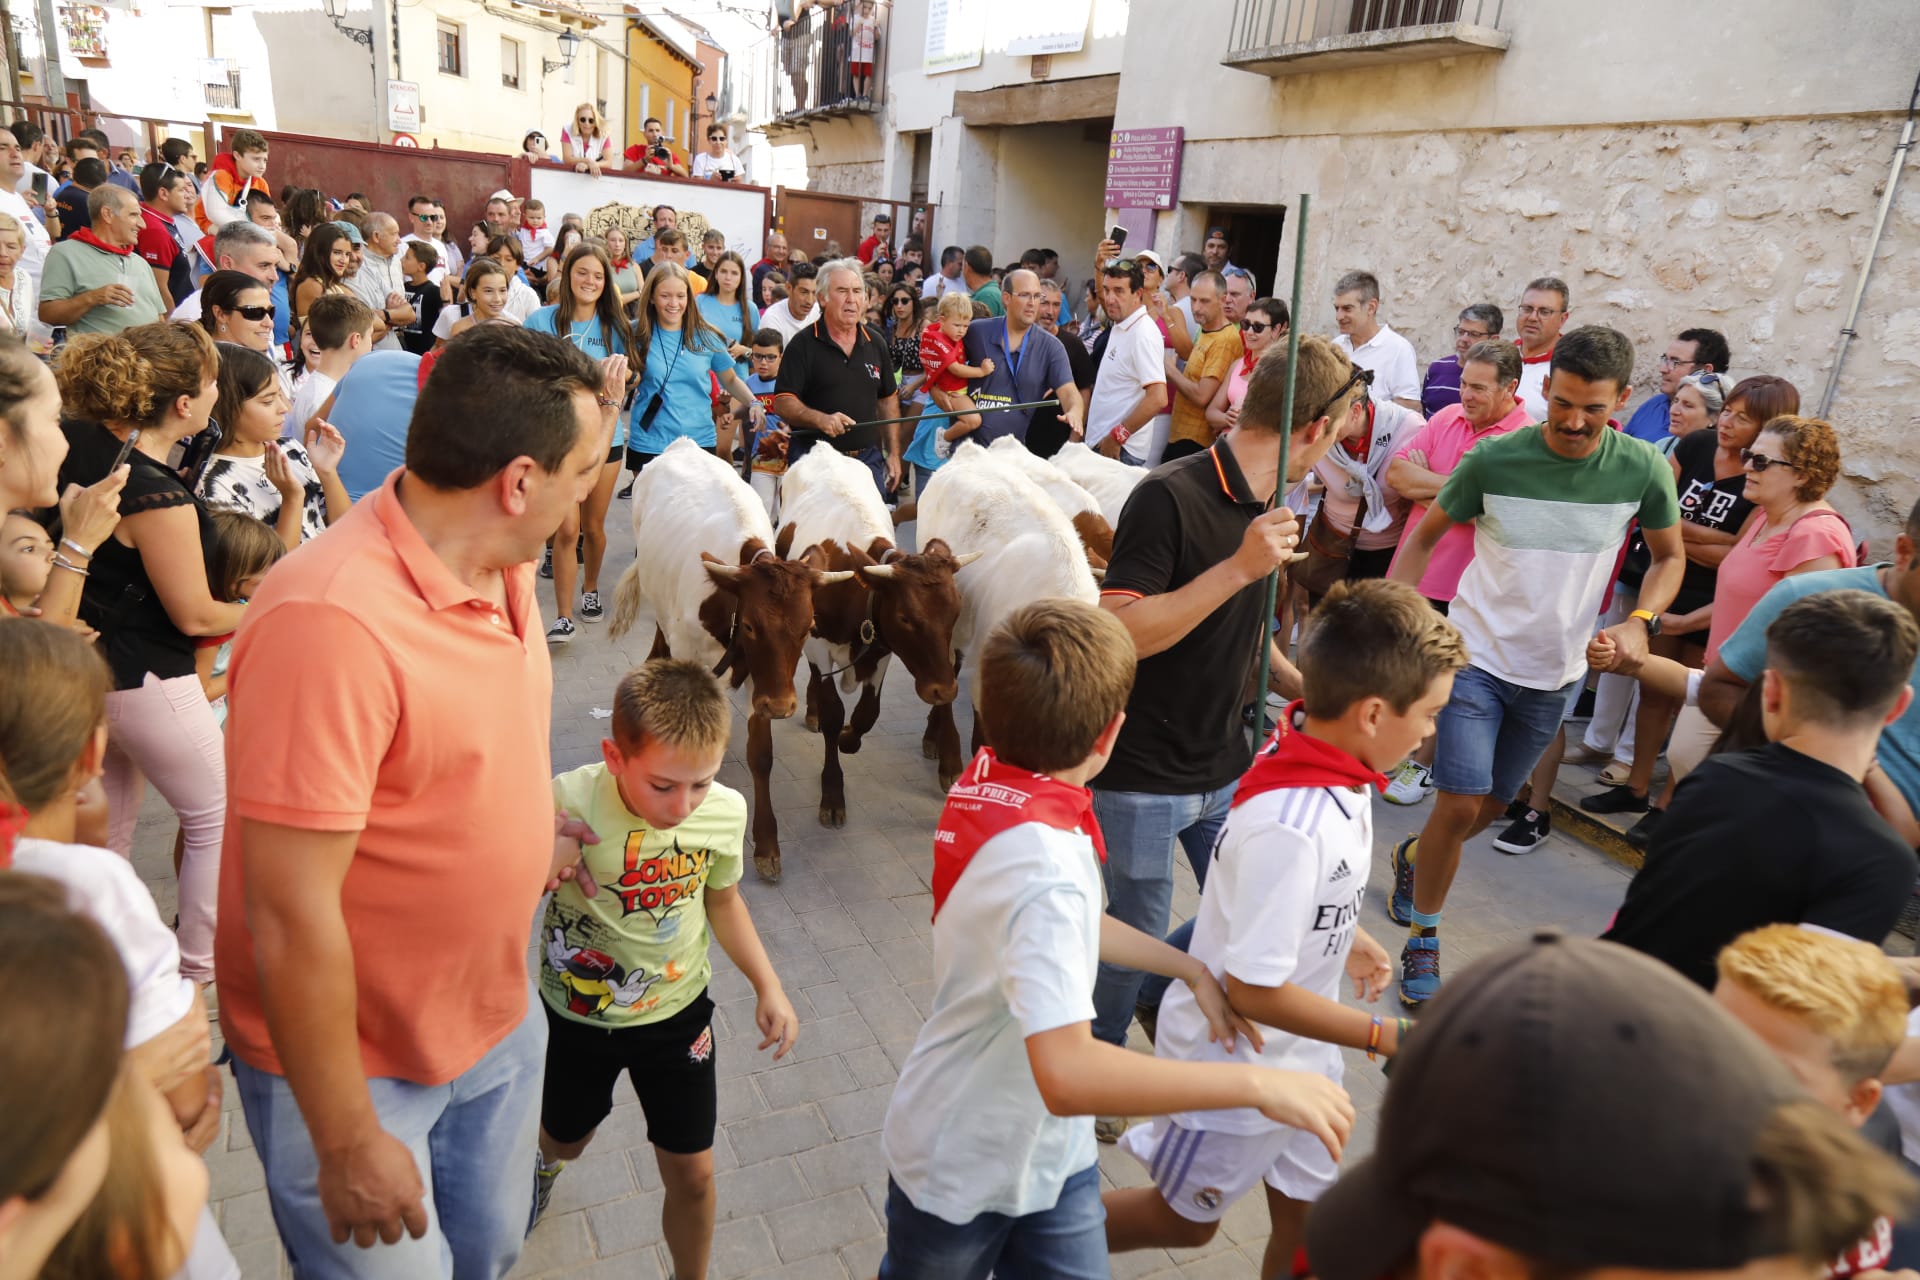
374, 692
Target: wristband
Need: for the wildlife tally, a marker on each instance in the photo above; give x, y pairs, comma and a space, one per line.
1120, 435
1373, 1040
76, 548
607, 402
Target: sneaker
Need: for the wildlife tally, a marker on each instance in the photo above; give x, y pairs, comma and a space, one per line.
626, 492
1400, 901
590, 610
1615, 800
1412, 782
546, 564
1108, 1129
1641, 833
1526, 833
1419, 970
561, 632
1517, 809
544, 1176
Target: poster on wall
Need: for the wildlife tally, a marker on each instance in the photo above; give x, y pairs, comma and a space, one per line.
956, 35
403, 106
1059, 26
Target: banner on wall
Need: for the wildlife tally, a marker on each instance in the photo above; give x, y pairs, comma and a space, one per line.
956, 35
1059, 26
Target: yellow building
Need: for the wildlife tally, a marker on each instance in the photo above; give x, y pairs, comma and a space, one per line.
662, 77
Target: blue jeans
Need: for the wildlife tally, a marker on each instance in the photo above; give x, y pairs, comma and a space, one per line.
473, 1139
1492, 732
1068, 1241
1142, 830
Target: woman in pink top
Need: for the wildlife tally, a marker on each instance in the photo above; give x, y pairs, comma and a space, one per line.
1266, 324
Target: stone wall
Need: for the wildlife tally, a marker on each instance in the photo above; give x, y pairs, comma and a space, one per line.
1757, 230
853, 178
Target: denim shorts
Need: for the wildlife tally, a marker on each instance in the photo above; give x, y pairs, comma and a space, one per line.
1492, 733
1066, 1242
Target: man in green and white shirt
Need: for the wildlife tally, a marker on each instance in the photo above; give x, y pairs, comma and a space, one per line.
1551, 506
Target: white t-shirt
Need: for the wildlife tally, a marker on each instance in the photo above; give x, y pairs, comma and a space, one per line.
34, 257
1533, 384
449, 257
939, 286
780, 316
1282, 900
241, 484
103, 884
308, 395
538, 244
1016, 948
1135, 359
1396, 375
706, 165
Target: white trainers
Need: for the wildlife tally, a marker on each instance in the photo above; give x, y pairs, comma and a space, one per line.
561, 632
1412, 782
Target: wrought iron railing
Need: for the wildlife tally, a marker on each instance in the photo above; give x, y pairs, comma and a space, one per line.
824, 61
1270, 24
222, 95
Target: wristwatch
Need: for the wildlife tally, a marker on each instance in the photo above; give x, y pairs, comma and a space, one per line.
1649, 617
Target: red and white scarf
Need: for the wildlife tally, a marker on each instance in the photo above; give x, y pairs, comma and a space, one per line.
85, 236
992, 797
1292, 758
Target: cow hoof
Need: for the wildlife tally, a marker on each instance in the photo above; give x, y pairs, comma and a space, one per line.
929, 749
812, 723
833, 815
947, 780
768, 865
849, 743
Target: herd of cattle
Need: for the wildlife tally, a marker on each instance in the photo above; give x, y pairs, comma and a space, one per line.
998, 528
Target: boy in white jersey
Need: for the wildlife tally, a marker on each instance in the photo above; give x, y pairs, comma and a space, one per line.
989, 1137
1278, 922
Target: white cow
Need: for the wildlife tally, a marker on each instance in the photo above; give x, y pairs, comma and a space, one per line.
1079, 505
704, 562
1032, 552
1109, 480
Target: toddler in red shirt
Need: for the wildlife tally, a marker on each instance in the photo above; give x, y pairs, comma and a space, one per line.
941, 354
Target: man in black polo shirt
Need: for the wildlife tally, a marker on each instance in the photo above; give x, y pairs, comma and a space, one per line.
836, 373
1188, 578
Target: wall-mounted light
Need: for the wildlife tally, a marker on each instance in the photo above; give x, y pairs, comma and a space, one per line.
335, 11
569, 42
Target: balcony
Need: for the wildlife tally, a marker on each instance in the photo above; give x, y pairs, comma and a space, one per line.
805, 72
220, 84
1292, 37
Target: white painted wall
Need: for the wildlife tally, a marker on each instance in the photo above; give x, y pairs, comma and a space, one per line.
474, 111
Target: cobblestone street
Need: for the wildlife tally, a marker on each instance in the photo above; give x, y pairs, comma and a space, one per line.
801, 1177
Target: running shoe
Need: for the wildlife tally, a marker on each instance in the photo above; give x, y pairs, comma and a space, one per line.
1419, 970
1525, 834
1400, 901
1412, 782
561, 632
546, 564
626, 492
544, 1176
1615, 800
1108, 1129
590, 610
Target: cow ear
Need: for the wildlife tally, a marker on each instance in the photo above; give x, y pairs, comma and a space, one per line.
725, 576
784, 542
813, 557
936, 547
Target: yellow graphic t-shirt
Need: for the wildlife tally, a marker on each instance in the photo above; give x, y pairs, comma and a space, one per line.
636, 952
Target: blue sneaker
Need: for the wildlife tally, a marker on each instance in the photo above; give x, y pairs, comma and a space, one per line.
1400, 901
1419, 970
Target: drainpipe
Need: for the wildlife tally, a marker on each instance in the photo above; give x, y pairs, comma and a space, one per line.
1847, 331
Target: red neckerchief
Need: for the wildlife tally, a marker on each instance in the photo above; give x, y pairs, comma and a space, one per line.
13, 821
992, 797
1294, 759
1544, 355
85, 236
1246, 364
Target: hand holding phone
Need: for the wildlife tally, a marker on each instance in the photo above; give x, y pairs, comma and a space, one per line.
1117, 234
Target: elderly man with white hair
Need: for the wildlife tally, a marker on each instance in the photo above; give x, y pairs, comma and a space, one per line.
837, 380
380, 283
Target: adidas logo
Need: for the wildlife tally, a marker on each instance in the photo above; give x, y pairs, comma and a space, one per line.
1340, 872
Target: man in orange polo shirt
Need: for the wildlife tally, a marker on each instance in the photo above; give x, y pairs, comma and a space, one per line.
393, 820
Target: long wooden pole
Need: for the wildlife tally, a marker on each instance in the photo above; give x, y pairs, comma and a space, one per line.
1286, 440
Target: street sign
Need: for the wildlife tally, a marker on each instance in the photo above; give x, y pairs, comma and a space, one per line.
1143, 168
405, 140
403, 106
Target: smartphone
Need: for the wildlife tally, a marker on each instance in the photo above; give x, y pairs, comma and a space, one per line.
1117, 234
126, 447
40, 186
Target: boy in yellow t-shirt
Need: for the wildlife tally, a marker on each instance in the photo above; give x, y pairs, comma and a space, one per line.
625, 936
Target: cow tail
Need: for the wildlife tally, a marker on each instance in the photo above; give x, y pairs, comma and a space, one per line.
626, 601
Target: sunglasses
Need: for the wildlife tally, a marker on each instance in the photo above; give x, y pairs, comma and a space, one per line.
1758, 463
429, 217
1257, 326
255, 312
1359, 376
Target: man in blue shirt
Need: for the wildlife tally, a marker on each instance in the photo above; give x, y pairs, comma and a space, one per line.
1744, 655
372, 406
1694, 351
1029, 364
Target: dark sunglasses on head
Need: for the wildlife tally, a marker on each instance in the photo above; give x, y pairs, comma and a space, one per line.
1759, 462
1363, 377
255, 311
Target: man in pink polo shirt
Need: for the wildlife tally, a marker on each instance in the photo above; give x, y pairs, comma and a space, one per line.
1489, 386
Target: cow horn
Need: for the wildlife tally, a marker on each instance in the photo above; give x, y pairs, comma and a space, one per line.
1099, 575
962, 561
823, 578
883, 572
728, 573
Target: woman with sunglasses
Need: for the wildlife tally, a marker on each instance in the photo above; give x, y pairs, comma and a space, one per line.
717, 163
1266, 324
585, 144
236, 308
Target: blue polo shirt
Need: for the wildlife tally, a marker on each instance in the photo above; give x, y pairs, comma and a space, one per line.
1032, 373
372, 407
1649, 422
282, 312
1745, 654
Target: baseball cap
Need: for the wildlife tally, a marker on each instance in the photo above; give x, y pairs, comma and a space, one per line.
1148, 255
1216, 233
503, 194
353, 232
1576, 1102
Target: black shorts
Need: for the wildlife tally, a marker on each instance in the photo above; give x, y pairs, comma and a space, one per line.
618, 453
670, 1063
